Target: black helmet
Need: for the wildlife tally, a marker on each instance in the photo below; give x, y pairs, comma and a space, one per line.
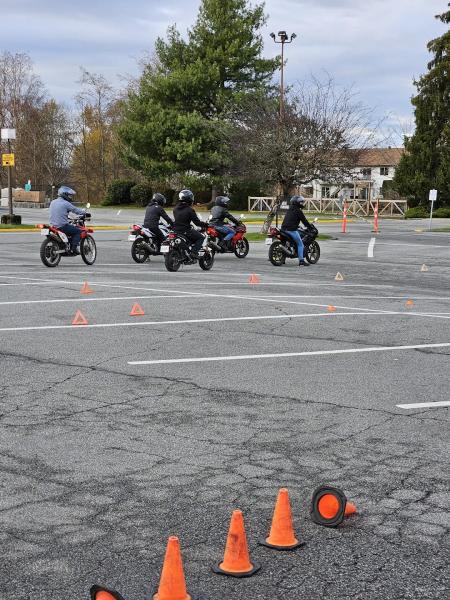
297, 201
222, 201
159, 199
186, 196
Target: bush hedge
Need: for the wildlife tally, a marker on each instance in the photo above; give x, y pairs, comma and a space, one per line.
417, 212
118, 192
141, 194
442, 213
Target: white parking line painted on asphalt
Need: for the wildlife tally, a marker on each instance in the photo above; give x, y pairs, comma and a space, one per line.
424, 405
371, 247
288, 354
90, 299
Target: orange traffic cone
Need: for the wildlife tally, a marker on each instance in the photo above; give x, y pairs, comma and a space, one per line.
85, 289
282, 534
100, 593
137, 310
329, 506
79, 319
236, 560
254, 278
409, 303
172, 585
331, 308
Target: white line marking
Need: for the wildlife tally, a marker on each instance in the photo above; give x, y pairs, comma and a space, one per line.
424, 405
287, 354
371, 247
56, 300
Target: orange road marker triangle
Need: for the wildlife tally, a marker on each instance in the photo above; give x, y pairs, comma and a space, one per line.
282, 534
85, 289
79, 319
137, 311
172, 585
409, 303
424, 268
331, 308
339, 277
254, 279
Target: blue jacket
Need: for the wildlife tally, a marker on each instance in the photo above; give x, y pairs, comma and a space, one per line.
59, 212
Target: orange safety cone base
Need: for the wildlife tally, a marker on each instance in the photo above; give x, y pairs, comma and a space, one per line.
293, 547
328, 506
217, 569
350, 509
101, 593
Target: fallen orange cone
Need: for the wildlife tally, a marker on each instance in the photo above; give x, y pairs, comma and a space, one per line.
137, 310
85, 289
331, 308
172, 585
79, 319
100, 593
329, 506
254, 279
282, 534
236, 560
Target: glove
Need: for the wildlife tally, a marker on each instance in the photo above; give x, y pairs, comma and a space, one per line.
87, 215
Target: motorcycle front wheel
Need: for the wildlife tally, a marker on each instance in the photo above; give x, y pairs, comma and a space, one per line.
49, 252
276, 255
172, 260
241, 248
206, 261
312, 253
88, 250
138, 253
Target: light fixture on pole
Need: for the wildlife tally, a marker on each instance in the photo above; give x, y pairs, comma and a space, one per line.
283, 39
8, 161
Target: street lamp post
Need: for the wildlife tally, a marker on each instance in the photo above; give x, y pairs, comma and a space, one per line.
283, 39
8, 135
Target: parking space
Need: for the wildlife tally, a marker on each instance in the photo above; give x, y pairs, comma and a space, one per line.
118, 433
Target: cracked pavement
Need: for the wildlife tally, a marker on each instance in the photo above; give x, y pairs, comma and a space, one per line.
101, 461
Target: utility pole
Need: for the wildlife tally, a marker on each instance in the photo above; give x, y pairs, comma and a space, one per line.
8, 161
283, 39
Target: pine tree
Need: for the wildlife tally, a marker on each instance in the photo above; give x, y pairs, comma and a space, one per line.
426, 162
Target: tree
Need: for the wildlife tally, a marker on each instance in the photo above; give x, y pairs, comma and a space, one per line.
176, 121
426, 162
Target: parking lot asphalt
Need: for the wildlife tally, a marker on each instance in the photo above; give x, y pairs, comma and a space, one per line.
102, 459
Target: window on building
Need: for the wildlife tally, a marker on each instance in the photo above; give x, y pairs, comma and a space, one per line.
325, 191
366, 172
384, 171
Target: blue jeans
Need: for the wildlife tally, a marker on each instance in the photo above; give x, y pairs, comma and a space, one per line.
73, 233
296, 237
228, 231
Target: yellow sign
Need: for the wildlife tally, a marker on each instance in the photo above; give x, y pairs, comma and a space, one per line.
8, 160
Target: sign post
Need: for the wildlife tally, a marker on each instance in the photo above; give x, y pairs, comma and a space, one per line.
432, 198
8, 161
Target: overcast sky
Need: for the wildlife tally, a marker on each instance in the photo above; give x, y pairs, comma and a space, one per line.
376, 46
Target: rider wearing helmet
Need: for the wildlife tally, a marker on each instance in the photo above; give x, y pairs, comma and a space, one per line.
219, 213
291, 221
153, 214
184, 215
59, 216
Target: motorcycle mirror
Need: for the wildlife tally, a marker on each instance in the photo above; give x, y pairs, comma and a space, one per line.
88, 205
316, 219
242, 216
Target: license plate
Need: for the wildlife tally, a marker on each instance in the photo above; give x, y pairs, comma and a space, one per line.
131, 238
165, 248
269, 241
44, 231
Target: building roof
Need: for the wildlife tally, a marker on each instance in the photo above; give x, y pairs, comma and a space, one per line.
379, 157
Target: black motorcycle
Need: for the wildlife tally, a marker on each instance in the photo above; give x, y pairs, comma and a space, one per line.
282, 246
177, 251
144, 241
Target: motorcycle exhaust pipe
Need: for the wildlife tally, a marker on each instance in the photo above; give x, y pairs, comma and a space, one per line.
216, 247
286, 252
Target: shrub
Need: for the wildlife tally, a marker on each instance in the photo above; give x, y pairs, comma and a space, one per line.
417, 212
442, 213
241, 190
118, 192
141, 194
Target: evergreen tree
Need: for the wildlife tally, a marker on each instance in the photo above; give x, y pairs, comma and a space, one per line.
426, 162
176, 120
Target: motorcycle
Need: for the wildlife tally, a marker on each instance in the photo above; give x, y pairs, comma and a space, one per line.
144, 242
177, 251
282, 246
57, 244
238, 244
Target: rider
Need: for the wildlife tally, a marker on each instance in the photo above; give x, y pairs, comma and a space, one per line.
59, 216
219, 213
184, 214
291, 221
153, 214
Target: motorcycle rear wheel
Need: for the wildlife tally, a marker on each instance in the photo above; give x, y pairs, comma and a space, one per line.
241, 248
206, 261
172, 260
312, 253
48, 252
138, 253
276, 256
88, 250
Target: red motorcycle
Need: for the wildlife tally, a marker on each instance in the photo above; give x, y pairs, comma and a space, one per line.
57, 244
238, 244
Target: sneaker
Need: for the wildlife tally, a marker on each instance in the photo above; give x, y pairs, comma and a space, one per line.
195, 255
75, 252
303, 263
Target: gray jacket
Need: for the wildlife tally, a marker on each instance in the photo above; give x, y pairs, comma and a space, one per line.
59, 212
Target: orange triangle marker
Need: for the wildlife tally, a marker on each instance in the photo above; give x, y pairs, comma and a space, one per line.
331, 308
172, 585
282, 534
254, 279
409, 303
236, 560
339, 277
137, 310
86, 289
79, 319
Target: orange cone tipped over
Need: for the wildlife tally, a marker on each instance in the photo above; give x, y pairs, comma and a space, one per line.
79, 319
172, 585
100, 593
282, 534
236, 560
329, 506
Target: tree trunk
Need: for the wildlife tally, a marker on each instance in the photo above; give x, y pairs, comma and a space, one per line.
213, 193
284, 195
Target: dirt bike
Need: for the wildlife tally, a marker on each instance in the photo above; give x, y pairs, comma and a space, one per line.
144, 242
57, 244
282, 246
238, 244
177, 251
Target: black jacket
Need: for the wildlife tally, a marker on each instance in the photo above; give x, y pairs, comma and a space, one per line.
219, 214
293, 217
153, 214
184, 215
